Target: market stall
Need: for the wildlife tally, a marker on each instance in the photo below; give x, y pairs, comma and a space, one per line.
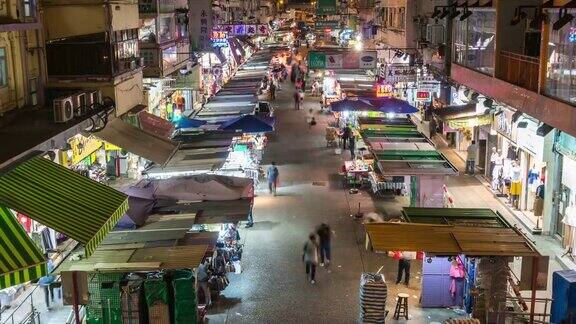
467, 258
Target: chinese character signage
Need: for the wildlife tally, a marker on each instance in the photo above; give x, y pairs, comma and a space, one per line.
399, 73
331, 24
384, 90
326, 7
201, 21
244, 30
219, 38
250, 30
347, 60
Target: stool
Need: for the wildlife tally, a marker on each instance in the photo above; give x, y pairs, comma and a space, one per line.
401, 306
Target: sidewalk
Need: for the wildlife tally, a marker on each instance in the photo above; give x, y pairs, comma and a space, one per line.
474, 191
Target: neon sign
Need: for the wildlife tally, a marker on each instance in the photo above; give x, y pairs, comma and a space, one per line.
219, 38
572, 35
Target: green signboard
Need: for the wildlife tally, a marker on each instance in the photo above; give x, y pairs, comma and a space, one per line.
333, 24
316, 60
326, 7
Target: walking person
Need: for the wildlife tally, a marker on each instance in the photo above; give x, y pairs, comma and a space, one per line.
352, 146
323, 232
310, 257
471, 158
272, 175
272, 90
202, 279
46, 284
346, 135
404, 266
297, 99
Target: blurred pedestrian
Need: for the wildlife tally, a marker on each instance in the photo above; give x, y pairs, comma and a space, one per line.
297, 99
323, 232
346, 132
310, 257
471, 158
202, 278
352, 146
46, 283
272, 90
272, 175
404, 266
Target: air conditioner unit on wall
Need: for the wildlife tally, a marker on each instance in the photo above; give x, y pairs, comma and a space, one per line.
94, 97
79, 103
63, 109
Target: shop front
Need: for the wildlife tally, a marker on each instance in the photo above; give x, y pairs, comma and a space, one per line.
563, 189
517, 167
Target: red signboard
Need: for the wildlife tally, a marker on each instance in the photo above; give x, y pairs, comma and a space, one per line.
155, 125
422, 95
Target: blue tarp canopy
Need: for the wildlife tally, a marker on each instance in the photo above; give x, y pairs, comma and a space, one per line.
249, 124
392, 105
189, 123
358, 104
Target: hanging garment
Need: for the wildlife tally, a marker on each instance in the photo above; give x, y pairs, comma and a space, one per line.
538, 206
512, 153
515, 188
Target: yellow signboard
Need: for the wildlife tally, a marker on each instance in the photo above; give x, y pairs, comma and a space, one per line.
82, 147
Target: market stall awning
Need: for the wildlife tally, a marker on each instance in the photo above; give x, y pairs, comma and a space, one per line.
155, 125
59, 198
134, 140
214, 212
471, 217
20, 259
249, 124
413, 163
472, 121
185, 122
452, 112
448, 240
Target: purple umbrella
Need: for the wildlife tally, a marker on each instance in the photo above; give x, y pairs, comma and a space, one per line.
392, 105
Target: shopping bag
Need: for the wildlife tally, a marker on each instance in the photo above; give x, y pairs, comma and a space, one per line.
338, 151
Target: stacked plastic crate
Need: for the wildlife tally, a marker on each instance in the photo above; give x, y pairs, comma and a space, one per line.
104, 304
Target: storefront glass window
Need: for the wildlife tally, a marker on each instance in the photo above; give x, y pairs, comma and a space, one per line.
147, 31
165, 29
561, 69
169, 57
3, 68
474, 40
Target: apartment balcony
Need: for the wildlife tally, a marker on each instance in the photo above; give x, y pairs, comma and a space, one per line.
161, 61
520, 70
89, 57
155, 7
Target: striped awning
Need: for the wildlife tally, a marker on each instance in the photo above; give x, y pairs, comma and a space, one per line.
59, 198
20, 259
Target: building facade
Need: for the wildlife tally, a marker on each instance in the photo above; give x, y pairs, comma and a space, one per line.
511, 61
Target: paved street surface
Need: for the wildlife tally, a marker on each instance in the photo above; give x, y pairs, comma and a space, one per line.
272, 287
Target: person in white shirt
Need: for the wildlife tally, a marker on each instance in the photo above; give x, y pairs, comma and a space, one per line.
404, 266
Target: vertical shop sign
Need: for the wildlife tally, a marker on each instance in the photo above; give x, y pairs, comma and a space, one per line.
316, 60
201, 24
326, 7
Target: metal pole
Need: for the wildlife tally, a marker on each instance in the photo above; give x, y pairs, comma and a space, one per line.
75, 297
535, 262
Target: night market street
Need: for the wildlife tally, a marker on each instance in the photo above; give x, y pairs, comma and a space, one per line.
273, 286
